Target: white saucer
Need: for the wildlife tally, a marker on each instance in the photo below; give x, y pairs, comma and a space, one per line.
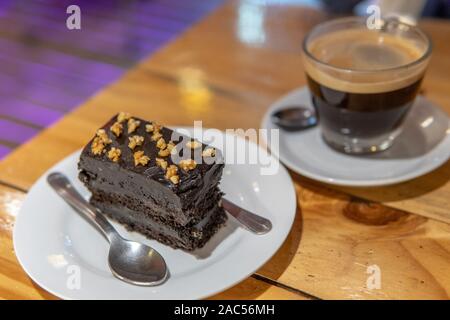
423, 146
54, 244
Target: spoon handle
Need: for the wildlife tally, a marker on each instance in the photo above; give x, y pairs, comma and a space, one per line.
249, 220
61, 184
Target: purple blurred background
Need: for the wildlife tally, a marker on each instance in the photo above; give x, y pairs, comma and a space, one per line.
46, 70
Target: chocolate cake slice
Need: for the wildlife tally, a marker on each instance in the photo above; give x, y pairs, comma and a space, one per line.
154, 181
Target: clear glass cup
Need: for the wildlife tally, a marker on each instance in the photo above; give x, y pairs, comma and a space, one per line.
363, 81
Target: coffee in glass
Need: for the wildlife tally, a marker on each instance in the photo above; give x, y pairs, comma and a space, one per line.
363, 81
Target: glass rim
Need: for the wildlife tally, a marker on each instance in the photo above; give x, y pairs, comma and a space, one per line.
422, 58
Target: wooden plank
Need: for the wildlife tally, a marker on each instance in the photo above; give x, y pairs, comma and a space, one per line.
166, 105
15, 284
335, 238
252, 289
427, 195
48, 70
249, 70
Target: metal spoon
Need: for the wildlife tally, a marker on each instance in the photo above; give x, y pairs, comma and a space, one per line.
293, 118
129, 261
249, 220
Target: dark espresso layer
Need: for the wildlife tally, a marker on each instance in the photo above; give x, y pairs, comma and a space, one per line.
361, 115
363, 102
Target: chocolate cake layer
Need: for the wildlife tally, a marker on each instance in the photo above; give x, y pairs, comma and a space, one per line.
134, 179
153, 210
188, 238
178, 201
181, 206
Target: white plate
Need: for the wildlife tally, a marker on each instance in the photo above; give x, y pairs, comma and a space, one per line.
422, 147
53, 243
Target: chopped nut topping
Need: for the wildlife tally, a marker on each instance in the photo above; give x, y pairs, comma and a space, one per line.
193, 144
188, 164
140, 158
117, 129
123, 116
152, 127
101, 133
99, 143
197, 233
156, 136
161, 144
161, 163
173, 150
114, 154
174, 179
165, 149
170, 146
97, 146
149, 127
164, 152
172, 170
171, 174
135, 141
133, 125
209, 152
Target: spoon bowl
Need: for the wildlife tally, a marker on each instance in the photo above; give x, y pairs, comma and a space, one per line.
129, 261
136, 263
294, 118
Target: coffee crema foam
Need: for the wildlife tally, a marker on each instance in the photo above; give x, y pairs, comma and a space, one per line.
368, 54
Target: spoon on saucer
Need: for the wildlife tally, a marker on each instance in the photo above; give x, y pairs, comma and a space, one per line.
130, 261
249, 220
294, 118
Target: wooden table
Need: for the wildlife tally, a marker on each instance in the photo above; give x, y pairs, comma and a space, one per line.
226, 71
